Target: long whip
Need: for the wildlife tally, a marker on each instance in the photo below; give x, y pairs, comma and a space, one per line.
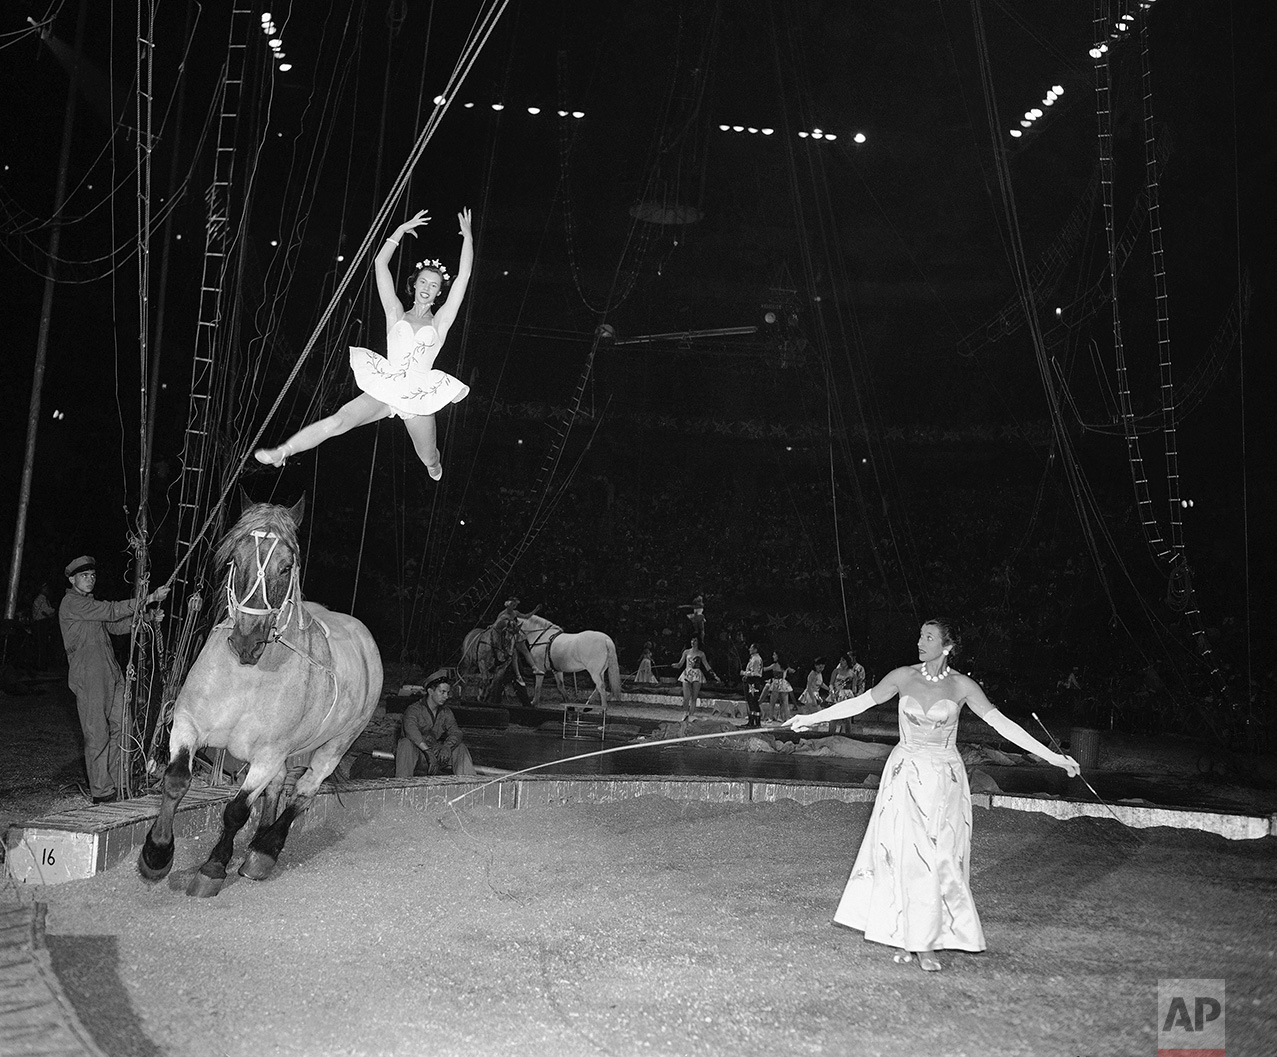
615, 748
1056, 745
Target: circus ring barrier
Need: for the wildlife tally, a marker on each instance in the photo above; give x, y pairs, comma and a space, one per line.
78, 844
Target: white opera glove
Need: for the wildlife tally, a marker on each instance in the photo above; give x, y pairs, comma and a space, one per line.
852, 706
1017, 735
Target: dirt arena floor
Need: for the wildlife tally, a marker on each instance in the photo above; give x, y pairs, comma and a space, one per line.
664, 927
649, 926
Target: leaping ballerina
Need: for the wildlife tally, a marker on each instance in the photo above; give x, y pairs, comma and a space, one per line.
404, 383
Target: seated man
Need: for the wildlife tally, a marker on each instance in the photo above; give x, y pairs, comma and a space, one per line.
431, 735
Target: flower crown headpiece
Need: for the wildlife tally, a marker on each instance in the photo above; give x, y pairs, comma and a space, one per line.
435, 266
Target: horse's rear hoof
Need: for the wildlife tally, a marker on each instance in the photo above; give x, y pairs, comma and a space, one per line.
256, 866
208, 882
155, 860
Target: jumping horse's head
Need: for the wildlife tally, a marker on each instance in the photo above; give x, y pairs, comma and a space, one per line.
262, 594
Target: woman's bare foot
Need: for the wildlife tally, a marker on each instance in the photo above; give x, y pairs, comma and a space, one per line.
928, 962
270, 456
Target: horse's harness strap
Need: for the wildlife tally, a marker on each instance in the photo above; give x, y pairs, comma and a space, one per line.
555, 631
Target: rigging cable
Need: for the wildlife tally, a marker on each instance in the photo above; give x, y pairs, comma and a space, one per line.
470, 54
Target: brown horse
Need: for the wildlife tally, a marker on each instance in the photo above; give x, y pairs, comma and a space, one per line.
279, 677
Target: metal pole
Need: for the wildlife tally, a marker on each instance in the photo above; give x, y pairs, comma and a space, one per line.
46, 314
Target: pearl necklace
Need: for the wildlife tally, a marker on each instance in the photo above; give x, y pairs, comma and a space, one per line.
934, 678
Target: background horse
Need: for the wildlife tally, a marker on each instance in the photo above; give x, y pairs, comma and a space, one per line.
555, 650
278, 677
479, 655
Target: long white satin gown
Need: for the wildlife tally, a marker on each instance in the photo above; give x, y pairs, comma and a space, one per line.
910, 885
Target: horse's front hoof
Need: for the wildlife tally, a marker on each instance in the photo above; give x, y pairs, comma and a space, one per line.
208, 882
155, 860
257, 866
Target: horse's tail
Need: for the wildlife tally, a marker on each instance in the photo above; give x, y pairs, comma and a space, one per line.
469, 646
613, 667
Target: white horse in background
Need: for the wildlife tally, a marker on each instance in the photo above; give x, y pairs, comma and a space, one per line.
558, 651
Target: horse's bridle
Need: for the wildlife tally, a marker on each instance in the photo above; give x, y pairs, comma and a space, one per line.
286, 607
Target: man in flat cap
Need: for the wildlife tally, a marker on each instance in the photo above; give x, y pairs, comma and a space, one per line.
510, 632
94, 675
431, 736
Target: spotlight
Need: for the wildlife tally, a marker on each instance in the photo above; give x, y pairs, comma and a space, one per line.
817, 134
859, 137
340, 257
534, 110
578, 114
768, 131
752, 130
562, 113
284, 67
721, 128
1025, 124
738, 128
1016, 133
1095, 53
498, 106
802, 135
439, 100
1036, 113
830, 135
769, 317
275, 42
265, 17
274, 242
1059, 312
1058, 89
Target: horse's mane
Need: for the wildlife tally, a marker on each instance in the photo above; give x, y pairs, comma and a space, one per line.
538, 622
263, 517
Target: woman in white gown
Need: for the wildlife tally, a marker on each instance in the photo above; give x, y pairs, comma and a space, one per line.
910, 885
404, 383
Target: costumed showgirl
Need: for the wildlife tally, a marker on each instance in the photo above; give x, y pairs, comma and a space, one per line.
910, 886
404, 383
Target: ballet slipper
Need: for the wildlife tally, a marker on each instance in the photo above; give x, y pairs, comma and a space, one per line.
270, 456
435, 469
902, 958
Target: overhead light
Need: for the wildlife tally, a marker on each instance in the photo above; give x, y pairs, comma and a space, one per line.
284, 67
1058, 89
439, 100
859, 137
534, 110
830, 135
1016, 133
498, 106
578, 114
275, 42
768, 131
802, 135
721, 128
